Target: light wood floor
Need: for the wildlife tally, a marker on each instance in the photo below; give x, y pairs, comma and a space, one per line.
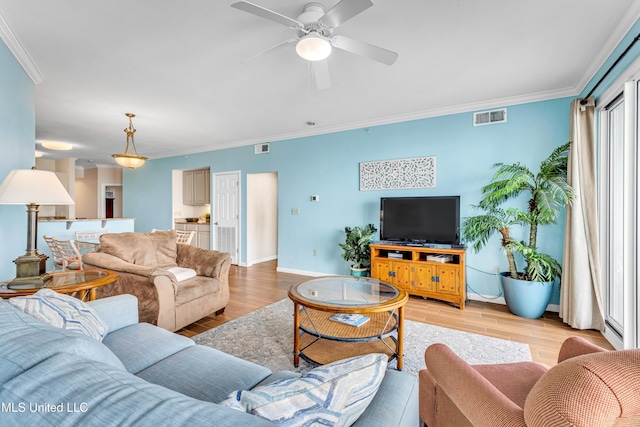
261, 285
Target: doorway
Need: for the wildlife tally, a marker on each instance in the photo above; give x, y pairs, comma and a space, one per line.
225, 224
262, 217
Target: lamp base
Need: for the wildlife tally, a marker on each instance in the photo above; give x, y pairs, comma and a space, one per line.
28, 271
26, 283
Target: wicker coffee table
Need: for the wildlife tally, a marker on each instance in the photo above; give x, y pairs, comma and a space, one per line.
320, 340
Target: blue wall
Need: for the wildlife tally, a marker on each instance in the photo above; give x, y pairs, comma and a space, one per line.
328, 165
17, 139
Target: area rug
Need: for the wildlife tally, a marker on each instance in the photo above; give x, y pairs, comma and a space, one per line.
265, 337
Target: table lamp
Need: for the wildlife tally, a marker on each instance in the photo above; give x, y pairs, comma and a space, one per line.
33, 188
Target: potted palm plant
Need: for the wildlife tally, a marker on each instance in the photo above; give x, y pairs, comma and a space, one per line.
356, 248
527, 291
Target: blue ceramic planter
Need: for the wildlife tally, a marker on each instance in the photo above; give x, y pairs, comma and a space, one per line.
524, 298
359, 272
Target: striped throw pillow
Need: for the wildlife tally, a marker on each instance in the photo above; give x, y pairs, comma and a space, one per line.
331, 395
62, 311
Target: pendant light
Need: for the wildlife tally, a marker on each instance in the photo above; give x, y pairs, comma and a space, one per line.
130, 158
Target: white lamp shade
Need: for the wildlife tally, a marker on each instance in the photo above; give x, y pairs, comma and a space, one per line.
130, 162
25, 186
313, 47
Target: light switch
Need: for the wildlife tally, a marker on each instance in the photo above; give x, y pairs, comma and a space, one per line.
295, 211
315, 198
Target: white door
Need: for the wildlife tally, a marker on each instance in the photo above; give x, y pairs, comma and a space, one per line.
225, 224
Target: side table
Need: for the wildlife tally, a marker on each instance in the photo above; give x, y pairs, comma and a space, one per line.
82, 283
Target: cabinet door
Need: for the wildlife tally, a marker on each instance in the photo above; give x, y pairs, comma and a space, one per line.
199, 187
423, 276
448, 283
187, 187
402, 274
203, 240
207, 187
380, 270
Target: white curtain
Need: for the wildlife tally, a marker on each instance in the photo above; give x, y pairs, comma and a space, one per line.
580, 292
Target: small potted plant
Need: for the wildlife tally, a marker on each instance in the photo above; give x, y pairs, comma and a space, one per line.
527, 292
356, 248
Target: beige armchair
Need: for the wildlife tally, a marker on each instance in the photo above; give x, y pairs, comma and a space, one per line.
143, 262
588, 387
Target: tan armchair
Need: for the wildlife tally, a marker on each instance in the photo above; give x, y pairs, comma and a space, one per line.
143, 260
590, 386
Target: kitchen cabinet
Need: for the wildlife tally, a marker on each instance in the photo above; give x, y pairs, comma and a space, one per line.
202, 238
196, 187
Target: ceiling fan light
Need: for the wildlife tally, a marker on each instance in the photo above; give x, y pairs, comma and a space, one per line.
313, 47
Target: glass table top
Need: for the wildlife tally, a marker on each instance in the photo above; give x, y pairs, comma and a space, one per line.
61, 279
346, 291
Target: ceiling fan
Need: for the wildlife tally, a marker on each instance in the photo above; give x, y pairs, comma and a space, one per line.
315, 39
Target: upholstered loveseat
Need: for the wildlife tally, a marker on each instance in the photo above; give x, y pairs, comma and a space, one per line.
142, 375
143, 260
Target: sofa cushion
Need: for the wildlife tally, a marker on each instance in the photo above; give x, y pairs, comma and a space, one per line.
26, 341
141, 345
62, 311
158, 249
195, 288
211, 374
84, 393
335, 394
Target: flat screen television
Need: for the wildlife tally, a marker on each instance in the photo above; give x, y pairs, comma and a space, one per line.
420, 219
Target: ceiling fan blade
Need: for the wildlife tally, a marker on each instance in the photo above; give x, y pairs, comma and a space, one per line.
343, 11
321, 73
274, 50
364, 49
262, 12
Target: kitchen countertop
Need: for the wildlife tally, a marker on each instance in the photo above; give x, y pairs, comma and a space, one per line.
54, 219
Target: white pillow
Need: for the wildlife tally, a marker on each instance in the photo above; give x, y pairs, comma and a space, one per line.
182, 273
62, 311
331, 395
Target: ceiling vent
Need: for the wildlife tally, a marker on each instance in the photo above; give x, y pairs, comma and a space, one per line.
490, 117
261, 148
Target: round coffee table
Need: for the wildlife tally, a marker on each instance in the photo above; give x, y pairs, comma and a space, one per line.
321, 340
82, 282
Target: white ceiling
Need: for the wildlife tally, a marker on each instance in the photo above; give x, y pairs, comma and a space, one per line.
179, 66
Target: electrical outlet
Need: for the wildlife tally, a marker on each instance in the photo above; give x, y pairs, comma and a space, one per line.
496, 269
315, 252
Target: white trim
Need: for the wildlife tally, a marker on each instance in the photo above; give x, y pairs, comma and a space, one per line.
438, 112
19, 52
610, 45
261, 260
303, 272
555, 308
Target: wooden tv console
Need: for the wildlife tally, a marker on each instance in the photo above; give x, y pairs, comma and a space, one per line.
414, 269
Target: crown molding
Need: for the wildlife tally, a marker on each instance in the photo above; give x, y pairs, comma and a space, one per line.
610, 46
22, 56
446, 111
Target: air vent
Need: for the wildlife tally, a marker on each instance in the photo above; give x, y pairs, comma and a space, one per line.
261, 148
490, 117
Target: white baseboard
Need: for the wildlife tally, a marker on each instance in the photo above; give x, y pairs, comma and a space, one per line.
303, 272
258, 261
555, 308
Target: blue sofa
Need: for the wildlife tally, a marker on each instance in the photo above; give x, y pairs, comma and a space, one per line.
142, 375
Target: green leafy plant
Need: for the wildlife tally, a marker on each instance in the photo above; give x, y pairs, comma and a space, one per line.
548, 192
356, 245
